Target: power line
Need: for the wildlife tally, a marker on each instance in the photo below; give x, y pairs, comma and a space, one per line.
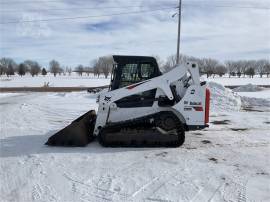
120, 7
132, 1
78, 8
128, 13
40, 1
46, 43
62, 1
226, 6
84, 17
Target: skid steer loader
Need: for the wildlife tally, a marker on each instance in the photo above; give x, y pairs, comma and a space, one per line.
142, 107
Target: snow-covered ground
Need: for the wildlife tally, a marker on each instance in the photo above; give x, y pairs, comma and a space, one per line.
265, 94
90, 81
235, 81
254, 91
59, 81
229, 161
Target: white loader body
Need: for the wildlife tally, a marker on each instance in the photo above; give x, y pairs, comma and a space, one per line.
191, 108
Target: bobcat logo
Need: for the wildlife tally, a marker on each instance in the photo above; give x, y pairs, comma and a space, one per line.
107, 99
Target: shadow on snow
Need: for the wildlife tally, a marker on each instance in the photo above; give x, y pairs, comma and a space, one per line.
34, 144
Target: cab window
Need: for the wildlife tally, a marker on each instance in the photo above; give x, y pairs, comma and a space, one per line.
147, 71
134, 73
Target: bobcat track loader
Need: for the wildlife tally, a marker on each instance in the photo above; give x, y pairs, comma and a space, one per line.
142, 107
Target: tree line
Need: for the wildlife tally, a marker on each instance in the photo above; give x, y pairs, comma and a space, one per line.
103, 65
213, 67
9, 67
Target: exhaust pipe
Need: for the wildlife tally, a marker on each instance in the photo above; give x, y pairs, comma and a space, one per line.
77, 134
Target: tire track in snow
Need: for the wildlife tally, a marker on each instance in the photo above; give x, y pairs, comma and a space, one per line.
104, 188
235, 188
36, 193
147, 191
82, 190
208, 191
86, 192
228, 189
41, 190
100, 190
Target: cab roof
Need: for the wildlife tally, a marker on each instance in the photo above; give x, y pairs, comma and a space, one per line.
133, 59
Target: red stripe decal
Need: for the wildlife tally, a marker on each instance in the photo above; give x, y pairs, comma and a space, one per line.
135, 85
207, 106
198, 109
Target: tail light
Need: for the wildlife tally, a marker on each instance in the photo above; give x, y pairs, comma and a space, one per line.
207, 106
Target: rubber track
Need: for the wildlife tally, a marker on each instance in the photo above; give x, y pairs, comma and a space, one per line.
145, 133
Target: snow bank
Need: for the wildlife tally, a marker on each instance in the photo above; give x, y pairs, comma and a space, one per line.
252, 95
254, 102
248, 88
223, 99
235, 81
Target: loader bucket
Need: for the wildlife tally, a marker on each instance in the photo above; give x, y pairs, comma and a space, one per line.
78, 134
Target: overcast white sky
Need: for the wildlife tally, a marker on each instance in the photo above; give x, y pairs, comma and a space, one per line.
209, 29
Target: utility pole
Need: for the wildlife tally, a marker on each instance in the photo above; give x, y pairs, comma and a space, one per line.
179, 31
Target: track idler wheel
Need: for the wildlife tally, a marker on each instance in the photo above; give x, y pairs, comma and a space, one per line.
169, 121
78, 134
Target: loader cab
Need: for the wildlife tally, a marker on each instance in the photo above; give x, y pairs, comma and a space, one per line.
128, 70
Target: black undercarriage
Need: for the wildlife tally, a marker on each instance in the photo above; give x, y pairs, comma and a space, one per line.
162, 129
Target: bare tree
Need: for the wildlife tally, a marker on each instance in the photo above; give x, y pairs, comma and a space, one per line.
250, 67
69, 70
160, 62
88, 70
28, 64
237, 66
65, 70
104, 65
240, 67
10, 70
22, 69
32, 66
61, 70
243, 66
267, 68
201, 65
229, 64
97, 70
250, 72
171, 61
209, 66
7, 66
43, 72
79, 69
54, 67
3, 66
35, 69
220, 70
107, 65
2, 69
261, 67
